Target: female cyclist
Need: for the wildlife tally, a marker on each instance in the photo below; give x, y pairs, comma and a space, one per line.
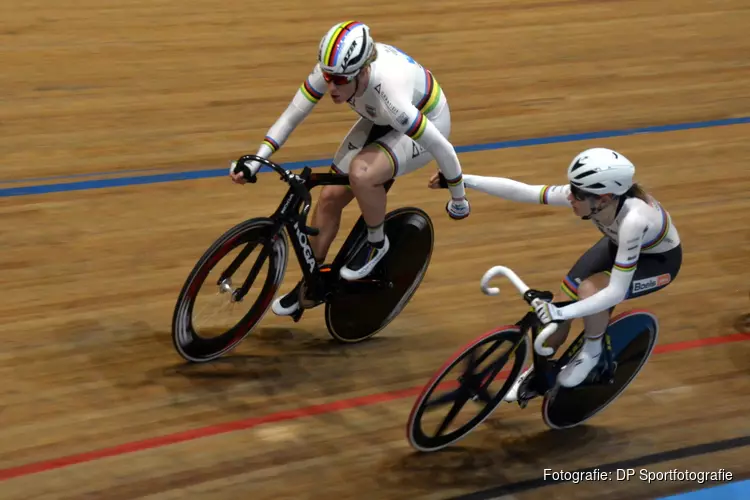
639, 253
404, 123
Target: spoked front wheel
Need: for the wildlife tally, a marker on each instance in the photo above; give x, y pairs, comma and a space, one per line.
259, 249
484, 372
633, 335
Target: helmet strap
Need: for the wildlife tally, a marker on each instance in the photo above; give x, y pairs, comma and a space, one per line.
594, 210
354, 92
356, 85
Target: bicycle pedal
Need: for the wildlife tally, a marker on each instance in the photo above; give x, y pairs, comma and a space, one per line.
311, 297
297, 315
603, 373
526, 396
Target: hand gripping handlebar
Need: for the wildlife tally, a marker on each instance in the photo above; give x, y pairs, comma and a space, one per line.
548, 330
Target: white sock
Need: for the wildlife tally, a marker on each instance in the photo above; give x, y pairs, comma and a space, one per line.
593, 346
376, 234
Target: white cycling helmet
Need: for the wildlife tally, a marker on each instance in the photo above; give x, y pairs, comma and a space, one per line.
345, 48
601, 171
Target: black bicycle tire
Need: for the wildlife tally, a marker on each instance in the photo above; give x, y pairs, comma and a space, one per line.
183, 309
416, 440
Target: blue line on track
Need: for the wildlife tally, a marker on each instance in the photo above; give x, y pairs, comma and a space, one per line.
209, 173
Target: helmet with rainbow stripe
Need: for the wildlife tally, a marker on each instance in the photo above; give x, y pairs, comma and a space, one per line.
344, 50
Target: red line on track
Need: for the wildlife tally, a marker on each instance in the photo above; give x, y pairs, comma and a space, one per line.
237, 425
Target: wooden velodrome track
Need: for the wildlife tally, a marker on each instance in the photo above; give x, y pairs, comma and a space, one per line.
96, 403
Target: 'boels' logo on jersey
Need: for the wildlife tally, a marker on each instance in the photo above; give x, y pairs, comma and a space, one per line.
649, 283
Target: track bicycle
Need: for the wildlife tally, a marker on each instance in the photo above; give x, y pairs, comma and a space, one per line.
489, 366
354, 310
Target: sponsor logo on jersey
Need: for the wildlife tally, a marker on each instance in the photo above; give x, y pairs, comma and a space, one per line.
650, 283
393, 109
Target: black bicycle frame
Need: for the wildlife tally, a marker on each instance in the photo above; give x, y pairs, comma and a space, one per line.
530, 323
293, 210
289, 215
530, 326
544, 378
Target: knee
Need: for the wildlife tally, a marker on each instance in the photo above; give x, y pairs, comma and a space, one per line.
360, 173
368, 170
592, 285
333, 198
587, 289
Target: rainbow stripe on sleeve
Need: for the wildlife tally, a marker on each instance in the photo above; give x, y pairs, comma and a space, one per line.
310, 93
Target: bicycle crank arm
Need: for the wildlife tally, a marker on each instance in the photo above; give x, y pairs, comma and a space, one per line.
297, 315
310, 231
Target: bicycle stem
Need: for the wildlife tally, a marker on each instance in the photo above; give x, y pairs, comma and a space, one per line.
296, 182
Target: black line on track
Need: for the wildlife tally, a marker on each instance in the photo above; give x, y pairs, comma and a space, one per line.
654, 458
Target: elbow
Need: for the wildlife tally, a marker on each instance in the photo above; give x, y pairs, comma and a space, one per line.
619, 297
615, 295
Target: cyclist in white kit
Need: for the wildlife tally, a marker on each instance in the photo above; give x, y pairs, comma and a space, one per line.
404, 124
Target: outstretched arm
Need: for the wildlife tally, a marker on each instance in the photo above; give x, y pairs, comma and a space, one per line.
512, 190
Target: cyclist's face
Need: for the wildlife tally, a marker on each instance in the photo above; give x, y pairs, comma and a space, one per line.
342, 93
581, 208
343, 88
583, 204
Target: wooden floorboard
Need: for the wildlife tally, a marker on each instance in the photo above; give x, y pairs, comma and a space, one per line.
90, 278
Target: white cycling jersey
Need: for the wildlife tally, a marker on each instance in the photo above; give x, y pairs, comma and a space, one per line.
400, 94
638, 228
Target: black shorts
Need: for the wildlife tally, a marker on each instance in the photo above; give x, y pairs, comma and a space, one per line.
653, 272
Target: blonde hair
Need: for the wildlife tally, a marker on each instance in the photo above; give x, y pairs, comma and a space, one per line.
637, 191
372, 57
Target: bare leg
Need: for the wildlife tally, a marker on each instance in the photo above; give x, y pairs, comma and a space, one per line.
369, 171
596, 324
586, 359
327, 218
560, 336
